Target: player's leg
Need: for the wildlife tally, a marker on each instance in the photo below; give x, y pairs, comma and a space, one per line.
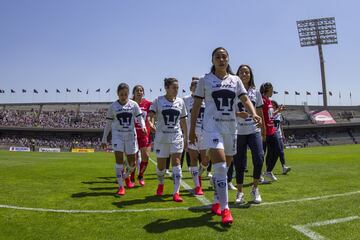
119, 171
255, 144
163, 153
177, 174
240, 159
194, 170
145, 154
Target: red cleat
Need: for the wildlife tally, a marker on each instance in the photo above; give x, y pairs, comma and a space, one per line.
128, 183
198, 191
177, 198
121, 191
226, 217
141, 181
160, 190
215, 208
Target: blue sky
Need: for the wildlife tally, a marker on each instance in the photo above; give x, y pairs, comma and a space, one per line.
90, 44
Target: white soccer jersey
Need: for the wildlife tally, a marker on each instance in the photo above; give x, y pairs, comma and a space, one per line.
248, 126
189, 102
278, 120
168, 114
220, 100
123, 117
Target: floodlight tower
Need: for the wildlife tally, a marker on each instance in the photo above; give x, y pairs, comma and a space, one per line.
318, 32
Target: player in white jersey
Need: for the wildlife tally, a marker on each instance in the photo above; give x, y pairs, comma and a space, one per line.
278, 120
171, 130
199, 147
249, 134
120, 121
220, 90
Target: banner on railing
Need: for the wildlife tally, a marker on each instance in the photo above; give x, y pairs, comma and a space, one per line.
82, 150
49, 149
19, 149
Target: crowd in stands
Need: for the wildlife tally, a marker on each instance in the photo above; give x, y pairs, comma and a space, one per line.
63, 142
53, 119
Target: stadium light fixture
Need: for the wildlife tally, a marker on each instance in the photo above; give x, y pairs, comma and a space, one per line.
318, 32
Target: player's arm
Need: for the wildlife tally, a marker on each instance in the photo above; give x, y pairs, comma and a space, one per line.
259, 111
107, 130
193, 117
250, 108
184, 128
243, 114
140, 119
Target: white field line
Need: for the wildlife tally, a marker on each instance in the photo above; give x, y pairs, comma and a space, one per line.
168, 209
305, 229
202, 199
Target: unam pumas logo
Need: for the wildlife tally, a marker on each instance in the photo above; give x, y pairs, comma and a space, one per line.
125, 119
171, 117
224, 100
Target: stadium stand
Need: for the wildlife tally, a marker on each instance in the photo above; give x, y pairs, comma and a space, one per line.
80, 125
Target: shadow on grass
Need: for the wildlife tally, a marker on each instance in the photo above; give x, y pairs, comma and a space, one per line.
205, 220
148, 199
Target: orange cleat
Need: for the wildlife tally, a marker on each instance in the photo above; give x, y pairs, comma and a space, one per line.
177, 198
226, 217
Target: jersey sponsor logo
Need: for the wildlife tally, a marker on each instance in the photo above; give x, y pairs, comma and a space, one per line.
224, 100
171, 117
125, 119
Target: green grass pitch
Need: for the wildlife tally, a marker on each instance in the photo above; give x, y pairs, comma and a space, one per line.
323, 185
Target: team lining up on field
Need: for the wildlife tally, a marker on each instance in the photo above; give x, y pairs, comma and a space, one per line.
223, 116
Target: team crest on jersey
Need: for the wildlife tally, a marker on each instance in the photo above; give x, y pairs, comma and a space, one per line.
224, 100
171, 117
125, 119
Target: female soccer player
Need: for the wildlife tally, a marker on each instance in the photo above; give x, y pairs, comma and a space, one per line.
171, 116
120, 121
144, 140
249, 134
278, 120
272, 137
220, 90
199, 147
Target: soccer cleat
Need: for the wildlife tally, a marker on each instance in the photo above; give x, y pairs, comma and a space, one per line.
240, 198
198, 191
231, 186
215, 209
177, 198
226, 217
160, 190
255, 195
270, 176
121, 191
286, 169
141, 181
128, 183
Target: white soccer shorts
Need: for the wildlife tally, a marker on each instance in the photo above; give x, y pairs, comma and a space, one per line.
127, 144
164, 150
221, 141
199, 145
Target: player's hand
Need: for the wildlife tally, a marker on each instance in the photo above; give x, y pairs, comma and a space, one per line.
152, 128
192, 137
281, 108
257, 119
104, 146
145, 132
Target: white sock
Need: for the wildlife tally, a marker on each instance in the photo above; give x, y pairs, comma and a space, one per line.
216, 196
160, 175
177, 178
138, 160
195, 175
220, 173
202, 169
119, 168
